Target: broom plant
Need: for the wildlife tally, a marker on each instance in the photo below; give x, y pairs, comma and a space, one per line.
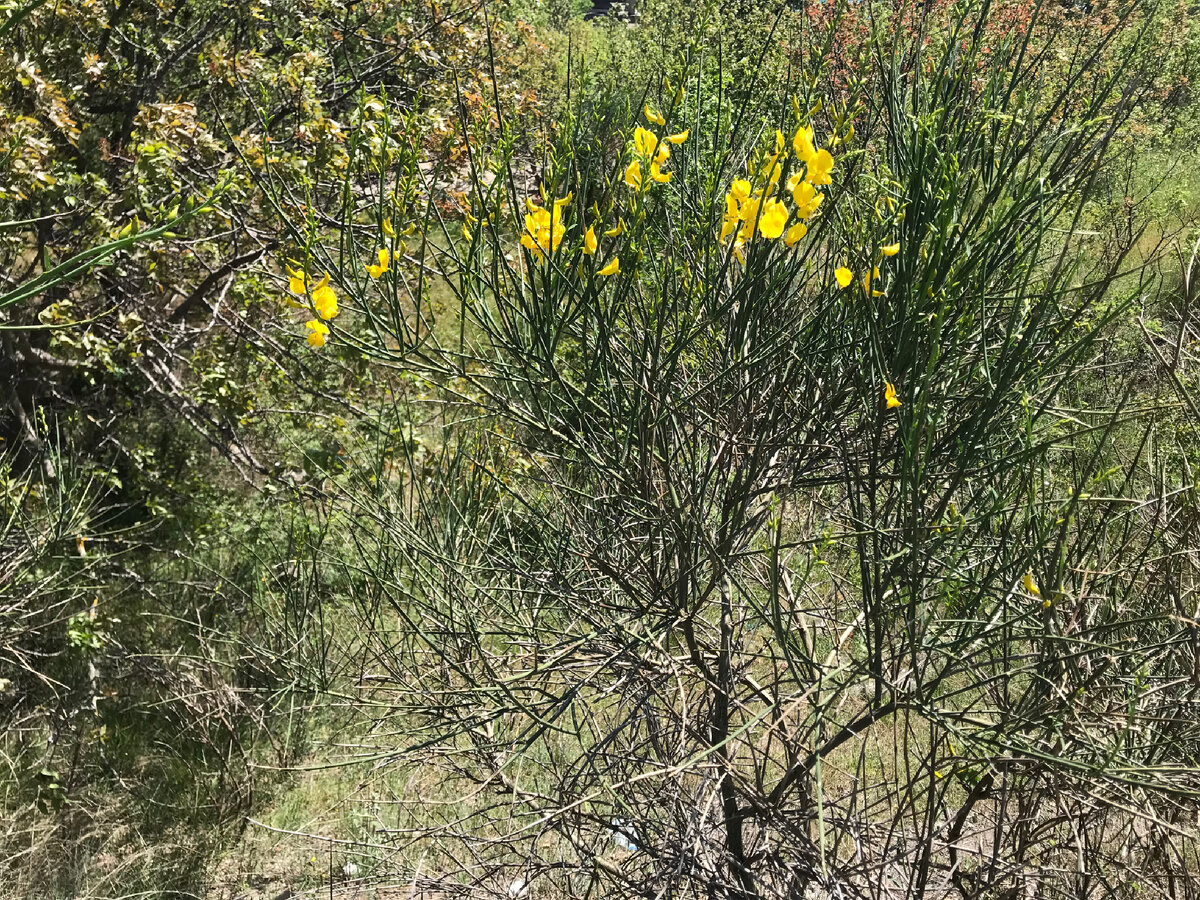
761, 538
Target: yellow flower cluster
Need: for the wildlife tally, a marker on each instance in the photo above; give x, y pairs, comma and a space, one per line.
652, 151
544, 228
752, 204
324, 299
324, 302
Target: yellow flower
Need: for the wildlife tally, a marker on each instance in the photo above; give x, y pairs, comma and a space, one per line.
589, 241
773, 219
317, 330
807, 199
633, 175
889, 394
802, 143
612, 268
795, 233
297, 281
384, 258
654, 116
740, 189
645, 142
1031, 585
616, 230
748, 213
818, 164
732, 217
678, 138
658, 175
891, 249
869, 279
387, 228
544, 228
469, 223
324, 299
818, 170
844, 276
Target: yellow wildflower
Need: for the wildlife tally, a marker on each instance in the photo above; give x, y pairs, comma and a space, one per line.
317, 330
818, 171
645, 142
732, 217
740, 189
658, 175
324, 299
297, 281
387, 228
654, 115
807, 199
802, 143
384, 258
868, 281
889, 394
818, 164
468, 226
616, 230
544, 229
678, 138
748, 213
612, 268
633, 175
844, 276
589, 241
1031, 585
891, 249
795, 233
773, 219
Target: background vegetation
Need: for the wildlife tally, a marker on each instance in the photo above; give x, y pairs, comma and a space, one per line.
417, 480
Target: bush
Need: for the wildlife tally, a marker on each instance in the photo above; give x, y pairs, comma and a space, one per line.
761, 537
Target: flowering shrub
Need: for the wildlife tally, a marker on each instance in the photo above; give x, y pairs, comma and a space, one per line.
745, 477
